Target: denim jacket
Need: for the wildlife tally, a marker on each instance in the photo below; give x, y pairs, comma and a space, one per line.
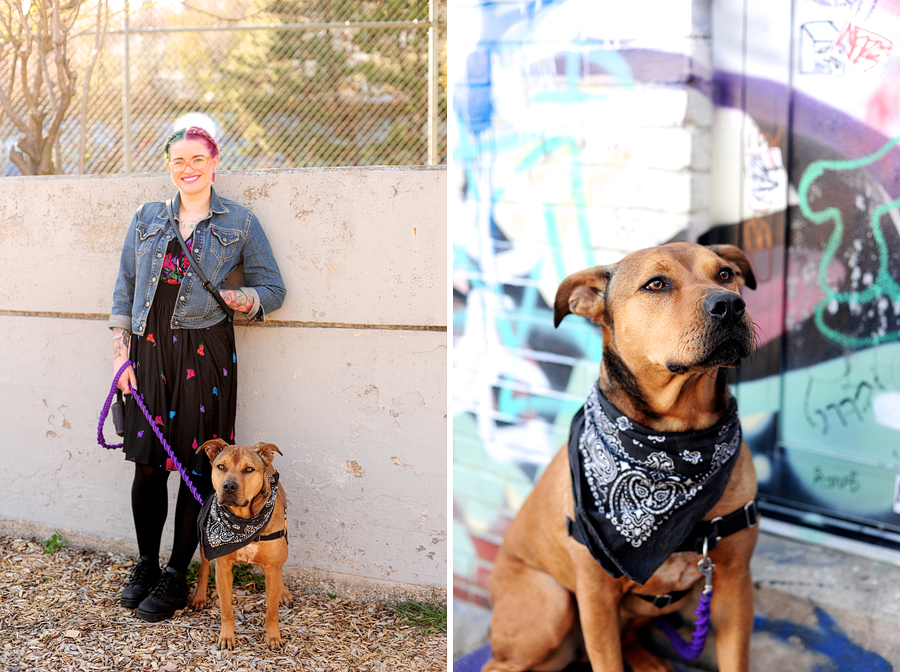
231, 236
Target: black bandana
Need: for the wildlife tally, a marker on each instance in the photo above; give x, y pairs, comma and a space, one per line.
639, 493
221, 532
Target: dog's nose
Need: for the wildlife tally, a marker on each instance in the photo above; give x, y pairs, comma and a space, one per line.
724, 305
230, 487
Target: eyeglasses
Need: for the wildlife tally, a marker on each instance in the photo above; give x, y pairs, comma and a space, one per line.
178, 165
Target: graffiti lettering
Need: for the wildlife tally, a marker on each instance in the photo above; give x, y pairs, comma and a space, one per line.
768, 179
850, 482
846, 409
862, 48
816, 39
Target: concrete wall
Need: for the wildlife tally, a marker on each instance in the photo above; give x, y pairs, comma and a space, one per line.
348, 378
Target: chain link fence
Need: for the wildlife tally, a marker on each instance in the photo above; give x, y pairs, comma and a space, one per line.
286, 84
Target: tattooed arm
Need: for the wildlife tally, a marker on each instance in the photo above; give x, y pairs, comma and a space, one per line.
236, 300
121, 343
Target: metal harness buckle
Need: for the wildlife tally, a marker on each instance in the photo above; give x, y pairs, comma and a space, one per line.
662, 601
715, 528
751, 512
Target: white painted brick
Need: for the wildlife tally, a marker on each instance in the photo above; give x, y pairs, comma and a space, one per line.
700, 109
701, 18
617, 229
661, 148
660, 190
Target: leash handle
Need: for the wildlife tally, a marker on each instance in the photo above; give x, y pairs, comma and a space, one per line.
106, 406
139, 400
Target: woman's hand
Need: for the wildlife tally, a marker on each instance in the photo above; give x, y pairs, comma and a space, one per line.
121, 343
236, 300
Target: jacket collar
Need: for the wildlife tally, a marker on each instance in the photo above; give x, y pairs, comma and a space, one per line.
216, 207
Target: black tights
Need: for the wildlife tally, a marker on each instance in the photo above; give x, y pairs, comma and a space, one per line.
149, 504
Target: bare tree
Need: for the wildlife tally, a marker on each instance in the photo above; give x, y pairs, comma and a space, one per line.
37, 76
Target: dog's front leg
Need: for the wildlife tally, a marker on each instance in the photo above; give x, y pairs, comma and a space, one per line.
599, 598
274, 588
731, 607
199, 599
224, 580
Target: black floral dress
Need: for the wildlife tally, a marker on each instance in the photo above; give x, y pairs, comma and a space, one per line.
187, 377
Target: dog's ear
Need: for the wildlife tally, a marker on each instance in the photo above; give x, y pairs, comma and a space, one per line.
583, 293
267, 451
736, 256
212, 448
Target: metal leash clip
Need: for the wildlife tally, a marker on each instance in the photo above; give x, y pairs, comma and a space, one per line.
706, 567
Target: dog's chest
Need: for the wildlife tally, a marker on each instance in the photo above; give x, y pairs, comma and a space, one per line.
678, 572
248, 553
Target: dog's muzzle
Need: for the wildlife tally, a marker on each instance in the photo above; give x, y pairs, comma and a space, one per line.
726, 307
229, 493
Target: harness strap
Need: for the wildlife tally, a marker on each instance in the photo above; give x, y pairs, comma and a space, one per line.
717, 528
663, 601
711, 530
270, 537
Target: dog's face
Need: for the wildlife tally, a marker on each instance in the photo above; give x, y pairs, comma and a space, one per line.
238, 472
674, 308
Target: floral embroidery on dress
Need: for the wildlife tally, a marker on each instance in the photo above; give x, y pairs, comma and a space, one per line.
175, 265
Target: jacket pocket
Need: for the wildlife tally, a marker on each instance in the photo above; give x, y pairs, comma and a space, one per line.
145, 238
225, 244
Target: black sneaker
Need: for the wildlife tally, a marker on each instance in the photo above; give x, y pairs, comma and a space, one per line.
143, 577
168, 595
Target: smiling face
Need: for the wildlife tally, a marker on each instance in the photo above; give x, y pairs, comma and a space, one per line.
191, 180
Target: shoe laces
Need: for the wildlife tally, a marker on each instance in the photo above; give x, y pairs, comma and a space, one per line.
166, 585
139, 576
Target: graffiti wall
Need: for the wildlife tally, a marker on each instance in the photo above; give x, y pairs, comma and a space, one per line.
585, 129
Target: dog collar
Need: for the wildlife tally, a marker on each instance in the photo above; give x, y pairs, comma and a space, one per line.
638, 494
222, 533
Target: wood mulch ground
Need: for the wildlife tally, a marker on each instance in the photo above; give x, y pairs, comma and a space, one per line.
60, 612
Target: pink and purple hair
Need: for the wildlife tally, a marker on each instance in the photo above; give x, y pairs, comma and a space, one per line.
192, 133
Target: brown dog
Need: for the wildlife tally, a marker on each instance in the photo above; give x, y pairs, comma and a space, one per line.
240, 477
672, 319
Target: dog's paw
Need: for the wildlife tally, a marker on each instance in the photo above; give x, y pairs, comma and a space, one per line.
273, 640
198, 602
226, 640
286, 598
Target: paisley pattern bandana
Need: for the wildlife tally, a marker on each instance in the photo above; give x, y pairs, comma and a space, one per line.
221, 532
639, 493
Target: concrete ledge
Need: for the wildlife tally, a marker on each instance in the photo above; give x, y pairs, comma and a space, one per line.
817, 610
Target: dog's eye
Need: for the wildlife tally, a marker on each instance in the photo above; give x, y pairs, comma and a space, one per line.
655, 285
220, 467
726, 275
249, 470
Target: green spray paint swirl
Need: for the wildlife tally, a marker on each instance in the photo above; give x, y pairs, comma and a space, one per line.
884, 284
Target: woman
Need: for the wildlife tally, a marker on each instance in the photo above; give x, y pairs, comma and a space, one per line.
181, 344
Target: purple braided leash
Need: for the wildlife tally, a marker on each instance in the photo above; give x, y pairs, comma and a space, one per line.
692, 649
140, 402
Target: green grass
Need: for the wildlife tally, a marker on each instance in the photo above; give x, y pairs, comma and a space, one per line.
53, 543
244, 576
427, 618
